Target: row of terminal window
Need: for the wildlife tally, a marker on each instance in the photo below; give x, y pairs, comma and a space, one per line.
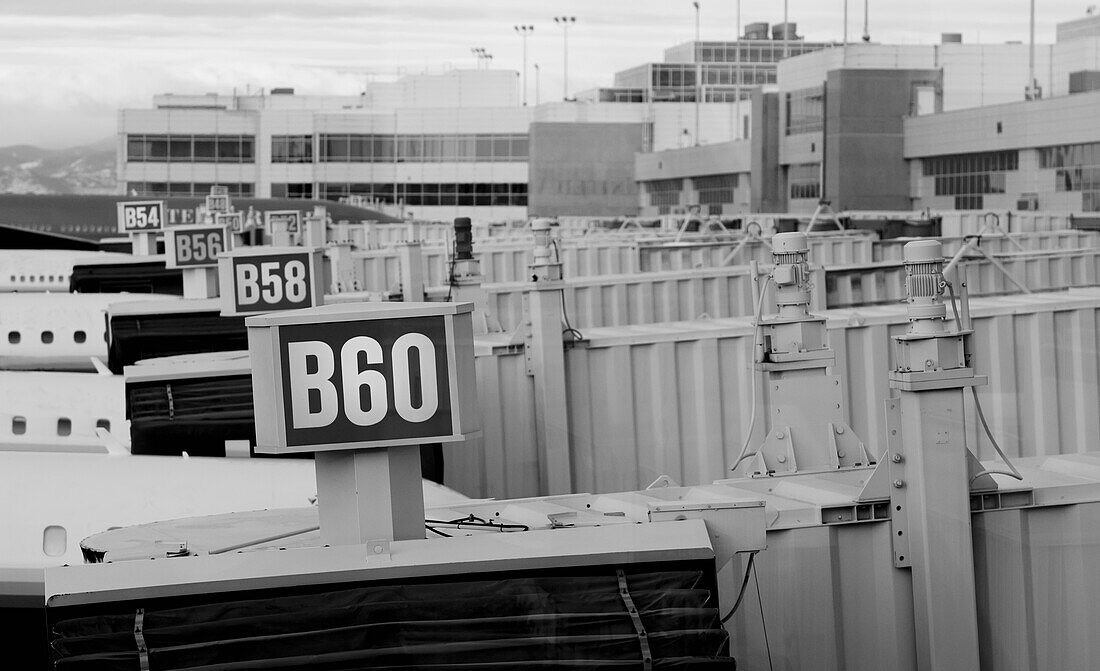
15, 337
64, 425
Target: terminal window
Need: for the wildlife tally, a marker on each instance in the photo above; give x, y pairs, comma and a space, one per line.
292, 149
417, 148
432, 194
804, 180
1076, 168
664, 193
969, 177
186, 189
715, 189
805, 111
190, 148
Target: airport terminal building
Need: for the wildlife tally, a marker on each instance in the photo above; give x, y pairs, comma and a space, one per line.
725, 127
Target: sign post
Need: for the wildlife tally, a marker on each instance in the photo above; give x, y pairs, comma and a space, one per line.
142, 219
195, 249
362, 385
255, 280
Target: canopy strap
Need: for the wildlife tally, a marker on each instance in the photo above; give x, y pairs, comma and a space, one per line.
139, 638
636, 618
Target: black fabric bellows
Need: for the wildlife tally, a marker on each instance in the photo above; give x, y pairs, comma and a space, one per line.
150, 336
135, 278
557, 620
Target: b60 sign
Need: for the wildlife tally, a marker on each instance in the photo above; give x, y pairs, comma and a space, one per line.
263, 279
140, 216
194, 246
361, 379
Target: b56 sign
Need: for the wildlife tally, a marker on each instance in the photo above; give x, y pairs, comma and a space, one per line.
140, 215
194, 246
383, 381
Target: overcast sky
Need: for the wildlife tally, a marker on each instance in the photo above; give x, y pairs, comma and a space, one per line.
67, 66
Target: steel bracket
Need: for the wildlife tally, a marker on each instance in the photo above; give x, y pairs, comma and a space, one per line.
899, 505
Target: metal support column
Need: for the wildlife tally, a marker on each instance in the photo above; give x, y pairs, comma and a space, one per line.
932, 505
412, 271
546, 362
368, 495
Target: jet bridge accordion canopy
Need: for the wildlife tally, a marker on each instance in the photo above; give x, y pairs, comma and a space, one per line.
658, 616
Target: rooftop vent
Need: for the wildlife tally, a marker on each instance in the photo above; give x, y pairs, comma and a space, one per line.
284, 91
951, 38
785, 31
756, 31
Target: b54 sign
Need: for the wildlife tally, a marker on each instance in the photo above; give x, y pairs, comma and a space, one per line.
263, 279
140, 215
194, 246
362, 375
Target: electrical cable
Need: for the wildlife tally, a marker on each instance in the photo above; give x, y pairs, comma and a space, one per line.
1012, 472
577, 335
744, 584
757, 357
763, 623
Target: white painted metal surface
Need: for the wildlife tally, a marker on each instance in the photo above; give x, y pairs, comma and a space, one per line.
40, 270
62, 412
57, 331
674, 398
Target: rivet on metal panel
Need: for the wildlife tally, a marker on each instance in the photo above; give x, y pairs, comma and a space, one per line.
781, 459
899, 484
839, 430
779, 435
840, 454
897, 457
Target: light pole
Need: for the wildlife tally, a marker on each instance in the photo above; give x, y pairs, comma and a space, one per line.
564, 22
483, 56
537, 84
523, 31
698, 73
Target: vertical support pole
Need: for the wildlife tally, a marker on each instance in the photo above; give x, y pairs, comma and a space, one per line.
315, 233
366, 495
412, 271
280, 235
200, 282
940, 543
143, 244
547, 360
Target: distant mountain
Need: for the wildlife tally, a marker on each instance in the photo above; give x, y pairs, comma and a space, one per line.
89, 169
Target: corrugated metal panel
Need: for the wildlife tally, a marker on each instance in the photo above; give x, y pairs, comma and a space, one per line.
891, 250
855, 247
847, 286
969, 222
674, 398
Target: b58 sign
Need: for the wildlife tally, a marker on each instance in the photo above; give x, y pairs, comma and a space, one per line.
194, 246
263, 279
139, 216
362, 379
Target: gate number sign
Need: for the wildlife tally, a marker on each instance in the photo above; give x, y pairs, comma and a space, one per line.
139, 216
194, 246
359, 383
291, 218
269, 280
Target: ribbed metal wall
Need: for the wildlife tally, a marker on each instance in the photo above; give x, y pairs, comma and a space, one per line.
675, 398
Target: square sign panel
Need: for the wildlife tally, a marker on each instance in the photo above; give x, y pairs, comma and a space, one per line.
194, 246
265, 279
364, 375
140, 216
290, 220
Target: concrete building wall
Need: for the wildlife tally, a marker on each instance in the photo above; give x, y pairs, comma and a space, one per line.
579, 169
766, 195
865, 168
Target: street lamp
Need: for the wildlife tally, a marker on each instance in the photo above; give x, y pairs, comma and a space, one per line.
564, 22
537, 84
482, 56
523, 31
698, 73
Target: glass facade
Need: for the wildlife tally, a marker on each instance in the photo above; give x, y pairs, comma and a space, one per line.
806, 111
190, 148
968, 177
421, 148
292, 149
292, 190
430, 194
1077, 168
244, 190
804, 180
